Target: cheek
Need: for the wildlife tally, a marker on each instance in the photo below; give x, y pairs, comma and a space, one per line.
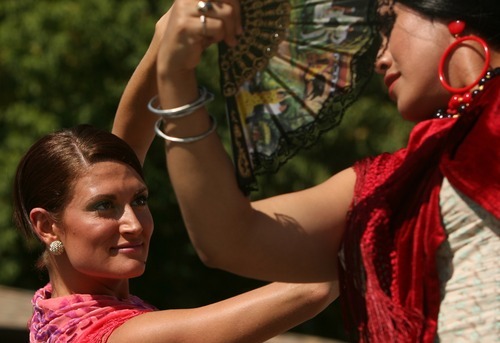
92, 239
87, 233
89, 246
423, 103
147, 222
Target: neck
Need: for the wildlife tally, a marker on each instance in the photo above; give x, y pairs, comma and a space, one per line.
74, 282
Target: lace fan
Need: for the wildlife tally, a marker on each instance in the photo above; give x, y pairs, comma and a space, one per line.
297, 67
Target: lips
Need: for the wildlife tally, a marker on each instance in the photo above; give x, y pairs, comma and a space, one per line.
390, 80
128, 246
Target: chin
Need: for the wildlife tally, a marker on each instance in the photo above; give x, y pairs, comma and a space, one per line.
131, 274
133, 271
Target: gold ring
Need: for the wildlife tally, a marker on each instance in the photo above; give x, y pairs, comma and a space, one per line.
204, 6
203, 20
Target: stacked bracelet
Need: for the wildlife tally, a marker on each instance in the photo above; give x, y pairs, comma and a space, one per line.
179, 112
191, 139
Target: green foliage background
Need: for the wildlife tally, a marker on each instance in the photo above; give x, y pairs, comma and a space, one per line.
67, 62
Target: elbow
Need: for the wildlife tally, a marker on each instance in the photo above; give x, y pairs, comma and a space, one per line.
210, 256
321, 295
230, 262
225, 252
207, 258
309, 299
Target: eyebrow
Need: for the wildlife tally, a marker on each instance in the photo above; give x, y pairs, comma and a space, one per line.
111, 196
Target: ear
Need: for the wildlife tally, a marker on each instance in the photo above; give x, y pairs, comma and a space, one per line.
43, 225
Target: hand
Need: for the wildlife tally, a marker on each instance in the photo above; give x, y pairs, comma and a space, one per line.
186, 36
161, 26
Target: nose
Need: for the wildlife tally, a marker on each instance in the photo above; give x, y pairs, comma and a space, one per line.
384, 60
129, 222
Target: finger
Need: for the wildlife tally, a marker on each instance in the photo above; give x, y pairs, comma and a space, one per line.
227, 11
235, 13
237, 17
203, 20
212, 30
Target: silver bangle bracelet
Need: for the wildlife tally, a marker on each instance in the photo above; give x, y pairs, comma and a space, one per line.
179, 112
192, 139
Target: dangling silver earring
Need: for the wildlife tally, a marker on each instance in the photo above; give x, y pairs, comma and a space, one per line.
56, 248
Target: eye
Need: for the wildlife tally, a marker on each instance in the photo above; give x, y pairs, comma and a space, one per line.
141, 200
104, 205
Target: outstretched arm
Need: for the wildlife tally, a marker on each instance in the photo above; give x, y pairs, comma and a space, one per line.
293, 237
255, 316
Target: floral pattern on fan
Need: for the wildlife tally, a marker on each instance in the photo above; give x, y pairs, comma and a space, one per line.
298, 66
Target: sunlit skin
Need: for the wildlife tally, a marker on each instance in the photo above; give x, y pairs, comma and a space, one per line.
409, 62
106, 230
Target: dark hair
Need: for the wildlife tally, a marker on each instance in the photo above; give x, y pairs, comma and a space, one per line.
480, 16
46, 174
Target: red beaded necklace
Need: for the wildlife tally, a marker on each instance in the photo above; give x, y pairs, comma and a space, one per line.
458, 104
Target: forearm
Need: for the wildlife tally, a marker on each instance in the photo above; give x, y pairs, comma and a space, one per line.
271, 310
203, 176
133, 122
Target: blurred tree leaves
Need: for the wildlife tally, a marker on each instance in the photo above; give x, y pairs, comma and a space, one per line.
67, 62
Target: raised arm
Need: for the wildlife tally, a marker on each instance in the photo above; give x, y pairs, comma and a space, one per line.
252, 317
133, 122
293, 237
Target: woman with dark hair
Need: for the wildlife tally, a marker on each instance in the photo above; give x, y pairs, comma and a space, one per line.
413, 236
82, 194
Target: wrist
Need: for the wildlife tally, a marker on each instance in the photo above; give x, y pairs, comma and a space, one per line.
177, 88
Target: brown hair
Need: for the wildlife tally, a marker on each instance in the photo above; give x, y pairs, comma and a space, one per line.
47, 172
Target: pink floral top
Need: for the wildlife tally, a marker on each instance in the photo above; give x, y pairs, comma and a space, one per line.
80, 318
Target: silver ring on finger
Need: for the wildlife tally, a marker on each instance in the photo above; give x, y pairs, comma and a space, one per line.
203, 20
204, 6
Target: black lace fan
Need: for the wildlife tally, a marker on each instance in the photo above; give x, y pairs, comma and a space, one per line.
297, 67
